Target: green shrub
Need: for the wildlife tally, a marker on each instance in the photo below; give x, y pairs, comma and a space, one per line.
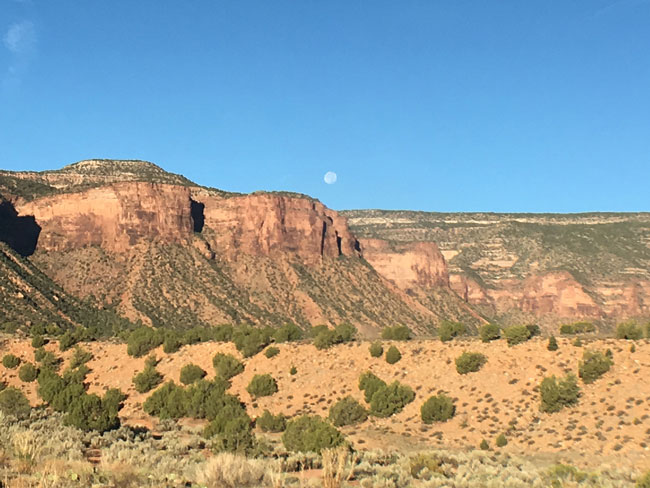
262, 385
347, 411
3, 385
191, 373
629, 330
113, 400
470, 362
501, 441
288, 333
448, 330
393, 355
438, 408
310, 433
577, 342
370, 384
14, 402
484, 445
533, 330
167, 402
396, 333
231, 431
226, 366
88, 413
489, 332
376, 349
38, 341
557, 394
330, 337
70, 338
577, 328
205, 399
271, 351
391, 399
594, 364
172, 342
268, 422
143, 340
27, 372
10, 361
80, 356
293, 371
314, 331
516, 334
47, 359
552, 344
147, 379
251, 340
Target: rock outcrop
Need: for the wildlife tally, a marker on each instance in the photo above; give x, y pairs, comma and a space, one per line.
408, 265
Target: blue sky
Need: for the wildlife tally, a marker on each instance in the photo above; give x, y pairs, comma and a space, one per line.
486, 105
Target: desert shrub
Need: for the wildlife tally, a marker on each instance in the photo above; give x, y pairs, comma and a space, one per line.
489, 332
262, 385
143, 340
533, 330
448, 330
80, 356
251, 340
167, 402
3, 385
563, 474
470, 362
14, 402
10, 361
438, 408
501, 440
314, 331
172, 342
577, 342
191, 373
226, 365
484, 445
38, 341
271, 351
27, 372
347, 411
557, 394
629, 330
396, 333
369, 383
70, 338
288, 333
206, 398
393, 355
268, 422
391, 399
293, 371
88, 413
423, 465
376, 349
113, 400
47, 359
577, 328
552, 344
594, 364
231, 429
147, 379
643, 481
516, 334
310, 433
341, 333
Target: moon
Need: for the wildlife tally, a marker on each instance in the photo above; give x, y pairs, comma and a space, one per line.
330, 177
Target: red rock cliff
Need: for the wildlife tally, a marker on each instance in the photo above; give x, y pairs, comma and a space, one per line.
409, 265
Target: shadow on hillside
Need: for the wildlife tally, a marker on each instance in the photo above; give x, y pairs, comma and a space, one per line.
18, 232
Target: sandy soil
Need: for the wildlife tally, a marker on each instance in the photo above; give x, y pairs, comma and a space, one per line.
610, 425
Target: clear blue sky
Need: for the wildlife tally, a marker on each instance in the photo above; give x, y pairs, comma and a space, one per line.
490, 105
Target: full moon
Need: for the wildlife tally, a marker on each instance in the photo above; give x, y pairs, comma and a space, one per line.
330, 177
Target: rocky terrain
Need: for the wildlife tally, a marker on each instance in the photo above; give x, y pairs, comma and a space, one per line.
154, 246
532, 267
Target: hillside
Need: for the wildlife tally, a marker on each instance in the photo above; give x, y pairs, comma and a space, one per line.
161, 249
591, 265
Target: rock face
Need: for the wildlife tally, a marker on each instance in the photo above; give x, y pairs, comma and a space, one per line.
408, 265
114, 217
271, 224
